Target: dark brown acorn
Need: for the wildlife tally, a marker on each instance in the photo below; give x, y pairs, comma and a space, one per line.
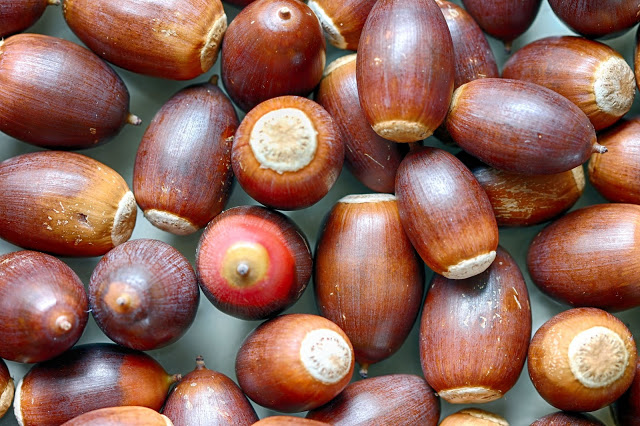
86, 102
398, 399
626, 409
520, 126
590, 257
405, 69
485, 320
208, 397
288, 421
144, 294
120, 416
43, 303
474, 417
182, 174
272, 48
18, 15
6, 388
434, 188
342, 21
597, 18
86, 378
562, 418
178, 40
79, 206
368, 278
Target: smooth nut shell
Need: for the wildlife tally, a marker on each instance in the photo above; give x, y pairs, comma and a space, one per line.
626, 409
7, 389
563, 418
597, 18
503, 19
473, 417
287, 421
342, 21
18, 15
120, 416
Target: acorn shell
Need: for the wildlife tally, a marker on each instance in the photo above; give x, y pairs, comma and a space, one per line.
342, 21
87, 103
287, 421
182, 175
474, 417
562, 418
80, 207
44, 301
7, 388
150, 37
120, 416
597, 18
626, 409
18, 15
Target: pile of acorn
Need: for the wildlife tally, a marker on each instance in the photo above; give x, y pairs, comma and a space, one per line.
283, 127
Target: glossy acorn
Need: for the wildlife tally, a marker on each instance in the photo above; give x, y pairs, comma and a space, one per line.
597, 18
626, 409
474, 417
18, 15
7, 388
287, 421
343, 21
563, 418
121, 416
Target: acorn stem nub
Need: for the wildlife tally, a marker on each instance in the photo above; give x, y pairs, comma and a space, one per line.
134, 120
599, 148
284, 12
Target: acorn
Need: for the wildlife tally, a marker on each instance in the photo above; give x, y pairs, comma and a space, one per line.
342, 22
520, 126
194, 127
294, 362
253, 262
239, 3
474, 417
6, 388
79, 207
89, 377
287, 153
86, 102
616, 176
18, 15
43, 304
590, 257
597, 18
562, 418
272, 48
582, 359
434, 188
121, 416
405, 69
288, 421
208, 397
151, 38
626, 409
485, 320
144, 294
590, 74
368, 278
398, 399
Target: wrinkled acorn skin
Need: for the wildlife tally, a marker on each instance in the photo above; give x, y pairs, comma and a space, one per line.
144, 294
372, 159
89, 377
503, 19
45, 304
520, 127
473, 417
590, 257
120, 416
87, 103
182, 174
368, 278
342, 21
403, 93
579, 70
271, 49
562, 418
616, 176
626, 409
149, 37
445, 212
597, 18
485, 320
18, 15
79, 207
6, 388
398, 399
288, 421
282, 271
208, 397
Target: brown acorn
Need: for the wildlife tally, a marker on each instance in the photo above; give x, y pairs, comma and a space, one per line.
194, 127
590, 74
597, 18
582, 359
368, 278
150, 37
18, 15
208, 397
405, 69
89, 377
474, 417
295, 362
520, 126
616, 176
272, 48
481, 320
590, 257
120, 416
288, 421
86, 102
342, 21
626, 409
398, 399
562, 418
6, 388
45, 304
434, 188
79, 207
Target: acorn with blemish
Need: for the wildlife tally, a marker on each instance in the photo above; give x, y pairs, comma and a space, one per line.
18, 15
597, 18
121, 416
563, 418
7, 388
474, 417
343, 21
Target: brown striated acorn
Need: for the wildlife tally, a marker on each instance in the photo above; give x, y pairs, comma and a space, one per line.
474, 417
520, 126
195, 128
405, 69
86, 102
6, 388
446, 213
597, 18
342, 21
626, 409
590, 257
45, 304
485, 320
563, 418
287, 421
80, 207
89, 377
18, 15
175, 39
590, 74
208, 397
582, 359
398, 399
120, 416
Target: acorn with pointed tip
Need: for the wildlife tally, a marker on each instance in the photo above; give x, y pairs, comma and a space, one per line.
597, 18
474, 417
18, 15
7, 388
121, 416
342, 21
